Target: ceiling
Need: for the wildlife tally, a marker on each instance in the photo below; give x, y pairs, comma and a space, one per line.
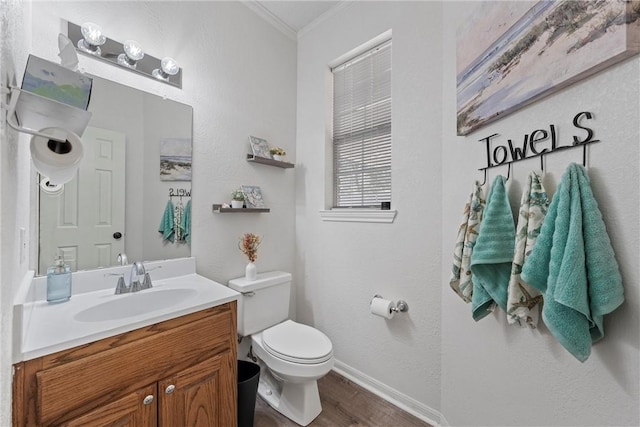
295, 15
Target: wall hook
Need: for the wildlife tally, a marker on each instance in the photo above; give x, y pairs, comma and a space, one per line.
484, 181
509, 172
584, 155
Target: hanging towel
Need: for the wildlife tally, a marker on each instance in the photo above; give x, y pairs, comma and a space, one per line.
574, 266
523, 302
166, 224
185, 224
460, 280
177, 221
493, 253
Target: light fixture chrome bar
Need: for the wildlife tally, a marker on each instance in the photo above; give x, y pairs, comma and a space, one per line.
110, 50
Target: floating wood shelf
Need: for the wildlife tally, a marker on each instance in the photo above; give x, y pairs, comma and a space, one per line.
277, 163
219, 209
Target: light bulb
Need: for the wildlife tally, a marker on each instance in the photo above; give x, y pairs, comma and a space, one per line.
92, 38
168, 67
132, 54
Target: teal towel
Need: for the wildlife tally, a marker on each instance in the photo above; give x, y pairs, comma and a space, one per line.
185, 223
574, 266
166, 224
493, 253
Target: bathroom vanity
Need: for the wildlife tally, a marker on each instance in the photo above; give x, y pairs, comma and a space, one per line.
169, 364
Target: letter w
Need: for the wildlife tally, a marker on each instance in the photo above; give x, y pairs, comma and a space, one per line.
518, 153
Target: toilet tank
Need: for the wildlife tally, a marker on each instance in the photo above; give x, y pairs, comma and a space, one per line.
264, 301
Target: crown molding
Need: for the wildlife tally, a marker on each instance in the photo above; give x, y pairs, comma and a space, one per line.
272, 19
328, 14
286, 29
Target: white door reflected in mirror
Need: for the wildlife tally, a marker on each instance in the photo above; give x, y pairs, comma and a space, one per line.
88, 214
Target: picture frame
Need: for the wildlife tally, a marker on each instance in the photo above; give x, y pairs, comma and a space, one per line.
175, 159
511, 54
260, 147
252, 196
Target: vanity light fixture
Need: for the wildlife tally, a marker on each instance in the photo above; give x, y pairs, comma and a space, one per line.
89, 40
92, 39
132, 54
168, 67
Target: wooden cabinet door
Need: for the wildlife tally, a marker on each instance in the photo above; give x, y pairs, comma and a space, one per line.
133, 410
201, 396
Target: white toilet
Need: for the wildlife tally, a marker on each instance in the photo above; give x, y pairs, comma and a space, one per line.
295, 355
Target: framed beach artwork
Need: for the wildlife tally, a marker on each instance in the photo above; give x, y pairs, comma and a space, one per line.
259, 147
510, 54
175, 159
252, 196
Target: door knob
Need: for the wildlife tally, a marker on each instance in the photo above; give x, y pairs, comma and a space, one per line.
170, 389
117, 235
147, 400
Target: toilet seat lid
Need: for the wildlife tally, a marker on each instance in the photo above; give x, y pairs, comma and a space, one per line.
297, 343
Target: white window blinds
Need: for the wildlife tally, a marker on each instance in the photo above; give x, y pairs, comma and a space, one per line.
362, 129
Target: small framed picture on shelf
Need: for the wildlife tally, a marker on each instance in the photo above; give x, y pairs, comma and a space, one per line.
259, 147
253, 196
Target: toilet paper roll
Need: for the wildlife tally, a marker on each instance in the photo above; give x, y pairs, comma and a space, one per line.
382, 307
50, 189
55, 160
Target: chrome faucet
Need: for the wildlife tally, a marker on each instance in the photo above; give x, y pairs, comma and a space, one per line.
137, 276
122, 259
139, 279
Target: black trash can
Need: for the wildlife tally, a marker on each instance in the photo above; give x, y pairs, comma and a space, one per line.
248, 377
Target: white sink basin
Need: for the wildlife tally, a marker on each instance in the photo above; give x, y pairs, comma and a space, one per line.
93, 315
129, 305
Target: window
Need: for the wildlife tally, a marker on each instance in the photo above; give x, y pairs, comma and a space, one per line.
362, 129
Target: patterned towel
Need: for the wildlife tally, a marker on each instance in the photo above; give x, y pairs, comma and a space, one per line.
185, 224
523, 300
177, 221
461, 281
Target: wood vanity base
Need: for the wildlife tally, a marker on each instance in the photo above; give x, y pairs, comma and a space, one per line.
179, 372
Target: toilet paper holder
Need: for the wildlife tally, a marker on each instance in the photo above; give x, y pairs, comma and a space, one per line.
401, 306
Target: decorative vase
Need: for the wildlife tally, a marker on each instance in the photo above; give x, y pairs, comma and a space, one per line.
237, 204
278, 157
250, 272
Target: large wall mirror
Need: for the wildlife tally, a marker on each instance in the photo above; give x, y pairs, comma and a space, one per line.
118, 199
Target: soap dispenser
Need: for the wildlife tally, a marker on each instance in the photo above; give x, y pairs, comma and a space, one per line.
58, 282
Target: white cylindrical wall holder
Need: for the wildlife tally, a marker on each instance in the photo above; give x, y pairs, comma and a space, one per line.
386, 308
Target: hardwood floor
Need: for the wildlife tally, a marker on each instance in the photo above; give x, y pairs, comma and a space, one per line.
344, 404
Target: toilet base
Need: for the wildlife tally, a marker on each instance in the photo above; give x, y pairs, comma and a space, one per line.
300, 402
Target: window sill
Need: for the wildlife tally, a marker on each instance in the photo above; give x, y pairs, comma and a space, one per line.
358, 215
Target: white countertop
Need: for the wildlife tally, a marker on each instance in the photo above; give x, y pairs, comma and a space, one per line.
47, 328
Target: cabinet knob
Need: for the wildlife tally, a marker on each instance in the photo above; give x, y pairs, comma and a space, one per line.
170, 389
147, 400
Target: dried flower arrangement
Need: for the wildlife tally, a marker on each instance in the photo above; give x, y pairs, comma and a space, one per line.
248, 244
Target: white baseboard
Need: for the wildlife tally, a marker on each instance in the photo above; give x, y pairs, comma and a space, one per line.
402, 401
